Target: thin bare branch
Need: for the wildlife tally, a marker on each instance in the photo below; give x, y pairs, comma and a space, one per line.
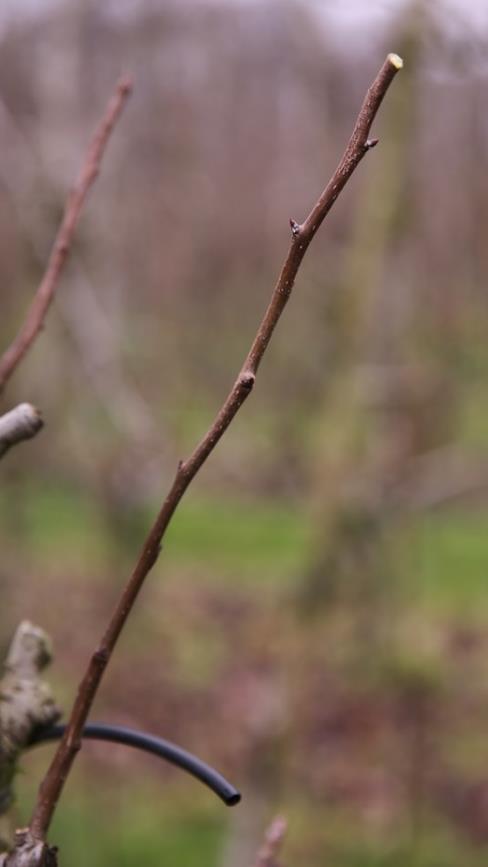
273, 841
21, 423
44, 295
302, 235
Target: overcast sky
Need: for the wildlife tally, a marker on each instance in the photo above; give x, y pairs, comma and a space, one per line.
350, 14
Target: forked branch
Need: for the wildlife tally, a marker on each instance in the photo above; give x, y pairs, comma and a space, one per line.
302, 235
44, 295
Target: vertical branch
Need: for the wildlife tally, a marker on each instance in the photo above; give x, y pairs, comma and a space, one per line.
302, 235
41, 302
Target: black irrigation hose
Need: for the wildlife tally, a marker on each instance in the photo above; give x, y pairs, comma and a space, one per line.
151, 744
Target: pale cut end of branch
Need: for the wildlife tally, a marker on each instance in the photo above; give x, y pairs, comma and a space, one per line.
396, 61
273, 841
30, 651
21, 423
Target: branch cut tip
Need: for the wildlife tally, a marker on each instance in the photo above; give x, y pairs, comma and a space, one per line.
396, 61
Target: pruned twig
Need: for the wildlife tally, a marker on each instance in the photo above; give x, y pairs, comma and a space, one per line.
21, 423
302, 234
41, 302
273, 841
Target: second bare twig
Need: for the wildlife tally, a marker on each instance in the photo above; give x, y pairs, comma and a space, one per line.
44, 295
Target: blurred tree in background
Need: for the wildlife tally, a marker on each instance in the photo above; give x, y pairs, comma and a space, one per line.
317, 625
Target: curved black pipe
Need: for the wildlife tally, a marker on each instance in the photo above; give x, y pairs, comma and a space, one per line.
151, 744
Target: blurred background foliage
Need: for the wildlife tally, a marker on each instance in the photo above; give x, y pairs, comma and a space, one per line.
317, 624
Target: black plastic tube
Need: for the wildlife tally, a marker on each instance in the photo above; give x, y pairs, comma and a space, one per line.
151, 744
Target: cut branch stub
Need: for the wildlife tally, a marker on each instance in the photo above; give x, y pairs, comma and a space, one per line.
26, 701
29, 852
21, 423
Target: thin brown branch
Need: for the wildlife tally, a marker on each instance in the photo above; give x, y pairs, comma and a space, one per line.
44, 295
21, 423
302, 235
273, 841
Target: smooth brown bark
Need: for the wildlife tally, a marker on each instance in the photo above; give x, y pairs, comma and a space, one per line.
302, 235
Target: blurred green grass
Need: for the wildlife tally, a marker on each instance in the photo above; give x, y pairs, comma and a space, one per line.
144, 830
263, 539
138, 822
441, 557
440, 570
260, 539
442, 561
